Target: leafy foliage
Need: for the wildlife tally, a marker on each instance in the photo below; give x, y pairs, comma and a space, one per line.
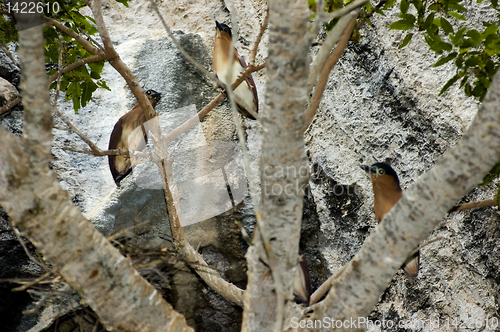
475, 53
80, 83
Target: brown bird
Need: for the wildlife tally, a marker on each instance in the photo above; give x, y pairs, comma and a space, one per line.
228, 70
124, 137
387, 193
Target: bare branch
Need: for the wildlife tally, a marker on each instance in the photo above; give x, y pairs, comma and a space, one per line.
5, 110
117, 63
255, 46
324, 53
324, 288
100, 153
474, 205
347, 9
96, 58
79, 63
211, 277
325, 72
181, 49
86, 44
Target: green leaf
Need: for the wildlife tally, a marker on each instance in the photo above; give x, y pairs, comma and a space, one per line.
88, 89
404, 6
428, 21
490, 30
472, 61
446, 26
479, 91
124, 2
389, 4
457, 16
475, 36
96, 69
401, 25
406, 40
449, 83
457, 7
492, 174
445, 59
103, 85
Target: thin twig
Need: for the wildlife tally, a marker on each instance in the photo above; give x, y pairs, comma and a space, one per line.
5, 48
325, 72
473, 205
30, 283
79, 63
324, 288
255, 46
86, 44
5, 110
186, 55
347, 9
33, 259
324, 53
95, 58
100, 153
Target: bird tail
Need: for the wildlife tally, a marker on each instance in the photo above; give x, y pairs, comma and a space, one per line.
411, 266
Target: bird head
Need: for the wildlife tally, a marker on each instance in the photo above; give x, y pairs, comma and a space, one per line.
222, 31
381, 172
153, 96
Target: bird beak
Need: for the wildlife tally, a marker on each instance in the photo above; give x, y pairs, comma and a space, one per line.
217, 25
366, 168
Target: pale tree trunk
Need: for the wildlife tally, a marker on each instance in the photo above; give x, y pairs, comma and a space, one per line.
42, 210
420, 210
284, 168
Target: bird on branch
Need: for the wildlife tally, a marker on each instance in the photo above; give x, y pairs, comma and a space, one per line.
228, 70
387, 192
126, 137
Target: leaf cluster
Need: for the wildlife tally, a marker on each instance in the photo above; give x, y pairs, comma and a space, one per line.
475, 53
80, 83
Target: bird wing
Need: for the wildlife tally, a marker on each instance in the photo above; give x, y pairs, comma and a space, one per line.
249, 80
114, 141
411, 266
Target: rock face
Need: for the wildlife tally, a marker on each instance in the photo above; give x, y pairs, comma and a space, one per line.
380, 104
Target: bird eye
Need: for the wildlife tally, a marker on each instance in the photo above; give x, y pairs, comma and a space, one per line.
148, 92
380, 171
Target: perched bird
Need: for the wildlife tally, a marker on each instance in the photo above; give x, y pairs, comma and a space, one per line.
387, 193
228, 70
124, 137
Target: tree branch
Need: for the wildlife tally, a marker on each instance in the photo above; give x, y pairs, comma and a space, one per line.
327, 68
86, 44
324, 53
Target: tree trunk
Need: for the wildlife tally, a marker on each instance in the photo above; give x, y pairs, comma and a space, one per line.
284, 168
